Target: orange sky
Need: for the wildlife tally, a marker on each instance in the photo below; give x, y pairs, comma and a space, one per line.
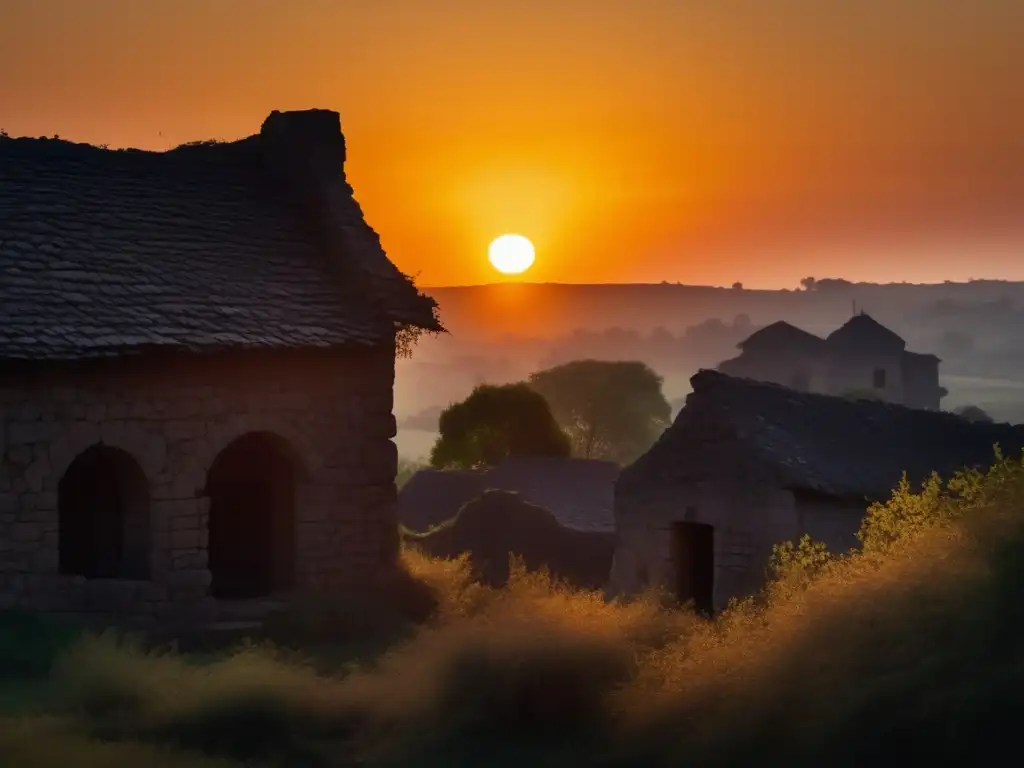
638, 140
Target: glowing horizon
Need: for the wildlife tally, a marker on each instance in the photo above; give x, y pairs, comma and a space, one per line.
697, 144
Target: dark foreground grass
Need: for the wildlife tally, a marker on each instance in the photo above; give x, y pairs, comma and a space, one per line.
910, 650
29, 644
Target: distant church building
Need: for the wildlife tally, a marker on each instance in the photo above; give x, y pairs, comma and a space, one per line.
862, 358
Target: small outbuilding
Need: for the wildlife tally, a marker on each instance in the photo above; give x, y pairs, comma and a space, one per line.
749, 464
861, 358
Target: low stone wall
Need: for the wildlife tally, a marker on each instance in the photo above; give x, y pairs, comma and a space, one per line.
173, 417
499, 524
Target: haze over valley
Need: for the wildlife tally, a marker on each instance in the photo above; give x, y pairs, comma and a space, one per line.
501, 333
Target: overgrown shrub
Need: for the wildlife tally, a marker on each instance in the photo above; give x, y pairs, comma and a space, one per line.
361, 622
908, 647
29, 644
51, 743
907, 514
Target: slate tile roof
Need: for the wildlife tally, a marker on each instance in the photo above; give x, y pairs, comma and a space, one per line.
864, 332
843, 448
103, 252
783, 335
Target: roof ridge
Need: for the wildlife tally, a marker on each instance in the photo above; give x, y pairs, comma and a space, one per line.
110, 242
709, 380
849, 448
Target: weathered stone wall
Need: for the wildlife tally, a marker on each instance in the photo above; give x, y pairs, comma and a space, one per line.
834, 522
789, 369
921, 382
747, 520
852, 373
333, 409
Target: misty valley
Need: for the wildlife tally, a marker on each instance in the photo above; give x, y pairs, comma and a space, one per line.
974, 328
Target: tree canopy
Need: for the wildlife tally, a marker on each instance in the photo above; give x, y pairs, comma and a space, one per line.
611, 410
495, 422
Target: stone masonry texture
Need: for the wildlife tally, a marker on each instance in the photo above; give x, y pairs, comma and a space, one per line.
174, 415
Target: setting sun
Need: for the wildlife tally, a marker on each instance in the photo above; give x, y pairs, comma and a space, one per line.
511, 254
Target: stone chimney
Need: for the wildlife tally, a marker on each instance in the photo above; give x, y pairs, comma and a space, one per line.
306, 149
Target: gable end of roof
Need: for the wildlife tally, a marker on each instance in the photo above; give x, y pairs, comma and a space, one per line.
211, 246
831, 445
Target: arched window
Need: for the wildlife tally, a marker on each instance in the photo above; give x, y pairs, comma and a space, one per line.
103, 509
251, 486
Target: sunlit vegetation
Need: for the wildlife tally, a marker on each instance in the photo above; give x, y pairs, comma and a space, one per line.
909, 646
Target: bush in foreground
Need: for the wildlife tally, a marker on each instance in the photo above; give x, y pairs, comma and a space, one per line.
909, 647
28, 644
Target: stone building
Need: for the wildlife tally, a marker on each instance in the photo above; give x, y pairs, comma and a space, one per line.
197, 355
749, 464
862, 357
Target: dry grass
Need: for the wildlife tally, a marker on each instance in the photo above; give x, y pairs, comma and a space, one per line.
911, 649
50, 743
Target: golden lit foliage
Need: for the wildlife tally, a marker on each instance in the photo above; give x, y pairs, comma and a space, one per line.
909, 645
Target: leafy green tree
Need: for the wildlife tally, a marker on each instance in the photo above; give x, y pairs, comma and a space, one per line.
495, 422
611, 410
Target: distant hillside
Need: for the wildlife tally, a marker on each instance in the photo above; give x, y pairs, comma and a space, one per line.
547, 309
502, 333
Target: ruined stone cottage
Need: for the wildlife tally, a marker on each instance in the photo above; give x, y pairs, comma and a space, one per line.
196, 366
861, 358
749, 464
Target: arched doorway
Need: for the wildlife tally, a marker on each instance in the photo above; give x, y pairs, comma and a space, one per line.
251, 486
103, 511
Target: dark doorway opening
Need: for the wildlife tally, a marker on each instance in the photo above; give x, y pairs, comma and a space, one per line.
103, 516
251, 486
693, 556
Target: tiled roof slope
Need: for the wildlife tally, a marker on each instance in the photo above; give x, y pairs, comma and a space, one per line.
104, 252
864, 332
815, 442
782, 335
